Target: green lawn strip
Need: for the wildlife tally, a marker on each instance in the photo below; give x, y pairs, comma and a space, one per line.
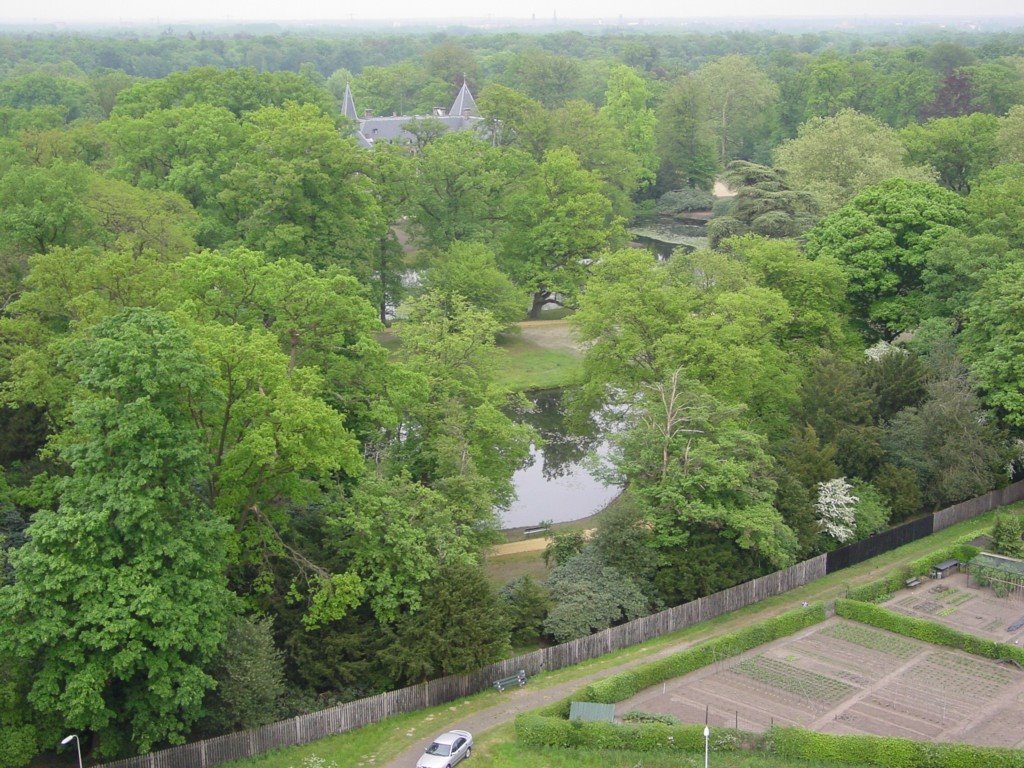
524, 365
386, 739
521, 364
502, 569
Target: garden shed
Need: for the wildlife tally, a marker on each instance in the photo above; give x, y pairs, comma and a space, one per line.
1004, 574
945, 568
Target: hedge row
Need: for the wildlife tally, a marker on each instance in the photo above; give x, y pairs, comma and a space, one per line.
625, 684
798, 743
791, 743
895, 580
539, 731
927, 631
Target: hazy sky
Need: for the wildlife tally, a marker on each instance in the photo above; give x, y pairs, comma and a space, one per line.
328, 10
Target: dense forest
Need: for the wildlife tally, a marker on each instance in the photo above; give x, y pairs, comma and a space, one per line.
226, 497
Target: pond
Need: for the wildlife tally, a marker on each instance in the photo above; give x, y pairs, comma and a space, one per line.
555, 483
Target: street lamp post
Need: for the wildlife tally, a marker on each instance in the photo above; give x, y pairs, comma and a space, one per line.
78, 743
707, 733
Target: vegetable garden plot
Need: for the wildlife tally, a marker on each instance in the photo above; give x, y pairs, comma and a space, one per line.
844, 677
968, 608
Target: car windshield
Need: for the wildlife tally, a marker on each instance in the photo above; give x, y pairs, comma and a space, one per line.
439, 749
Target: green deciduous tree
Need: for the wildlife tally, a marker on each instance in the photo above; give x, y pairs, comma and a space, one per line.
883, 239
514, 119
685, 144
949, 441
690, 462
1008, 535
120, 599
958, 148
302, 190
471, 271
834, 158
996, 204
627, 105
992, 341
1010, 138
460, 181
556, 223
742, 101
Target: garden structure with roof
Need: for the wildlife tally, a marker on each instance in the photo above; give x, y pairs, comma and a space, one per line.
1005, 575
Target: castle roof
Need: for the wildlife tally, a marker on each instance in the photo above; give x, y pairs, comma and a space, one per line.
465, 104
463, 116
348, 106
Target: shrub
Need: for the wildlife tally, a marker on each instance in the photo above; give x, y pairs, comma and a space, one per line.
686, 199
537, 731
889, 752
636, 716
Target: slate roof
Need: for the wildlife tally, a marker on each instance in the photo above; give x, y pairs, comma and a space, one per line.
463, 116
465, 104
348, 106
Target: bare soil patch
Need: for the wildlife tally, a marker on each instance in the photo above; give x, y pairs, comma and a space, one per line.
844, 677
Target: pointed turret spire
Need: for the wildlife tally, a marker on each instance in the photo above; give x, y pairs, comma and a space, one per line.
465, 104
348, 106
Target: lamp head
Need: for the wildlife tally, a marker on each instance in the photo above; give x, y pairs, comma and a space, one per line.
67, 739
707, 731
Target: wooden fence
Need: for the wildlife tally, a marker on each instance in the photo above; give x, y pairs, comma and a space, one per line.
304, 729
354, 714
965, 510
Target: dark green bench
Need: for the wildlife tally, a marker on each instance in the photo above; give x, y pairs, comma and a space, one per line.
519, 678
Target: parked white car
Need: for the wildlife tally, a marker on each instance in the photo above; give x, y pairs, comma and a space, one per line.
448, 750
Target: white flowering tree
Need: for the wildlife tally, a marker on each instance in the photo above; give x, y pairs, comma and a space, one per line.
837, 509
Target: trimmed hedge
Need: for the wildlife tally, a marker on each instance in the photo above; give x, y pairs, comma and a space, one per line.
889, 752
538, 731
927, 631
625, 684
881, 590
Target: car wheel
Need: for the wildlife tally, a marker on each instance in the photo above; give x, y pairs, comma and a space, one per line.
469, 751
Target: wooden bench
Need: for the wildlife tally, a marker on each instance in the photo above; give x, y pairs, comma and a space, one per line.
913, 581
519, 678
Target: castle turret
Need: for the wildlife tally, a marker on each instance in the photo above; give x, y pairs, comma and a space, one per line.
465, 104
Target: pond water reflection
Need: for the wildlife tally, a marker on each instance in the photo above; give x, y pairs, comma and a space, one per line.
555, 483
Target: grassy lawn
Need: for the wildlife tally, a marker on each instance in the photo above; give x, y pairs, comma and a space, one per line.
527, 365
502, 569
378, 743
522, 364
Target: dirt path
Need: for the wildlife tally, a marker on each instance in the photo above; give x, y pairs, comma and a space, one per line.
529, 545
528, 698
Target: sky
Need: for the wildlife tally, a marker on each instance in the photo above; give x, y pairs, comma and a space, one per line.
397, 11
